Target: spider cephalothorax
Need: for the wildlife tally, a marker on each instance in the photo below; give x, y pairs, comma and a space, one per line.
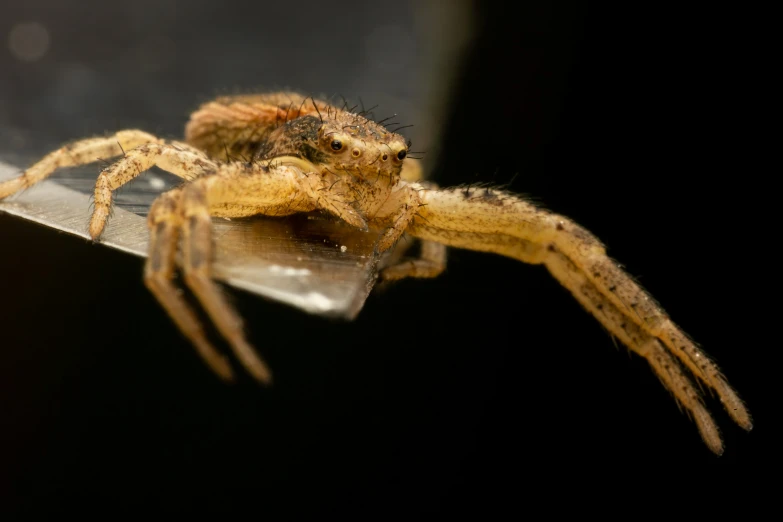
338, 143
281, 153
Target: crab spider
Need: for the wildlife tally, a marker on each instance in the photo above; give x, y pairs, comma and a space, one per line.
302, 155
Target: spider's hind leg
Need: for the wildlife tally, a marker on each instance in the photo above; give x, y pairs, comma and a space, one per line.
430, 263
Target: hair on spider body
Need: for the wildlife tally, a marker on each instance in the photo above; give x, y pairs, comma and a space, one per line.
296, 137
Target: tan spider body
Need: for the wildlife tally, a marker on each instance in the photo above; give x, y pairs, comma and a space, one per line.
300, 155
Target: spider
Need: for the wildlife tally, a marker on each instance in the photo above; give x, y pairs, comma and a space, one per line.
282, 153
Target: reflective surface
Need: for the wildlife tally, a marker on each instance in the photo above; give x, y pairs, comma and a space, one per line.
308, 261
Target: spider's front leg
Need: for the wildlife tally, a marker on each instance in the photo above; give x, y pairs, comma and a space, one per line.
494, 221
234, 190
164, 223
431, 262
196, 267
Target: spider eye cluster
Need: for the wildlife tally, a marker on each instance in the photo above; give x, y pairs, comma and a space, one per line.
340, 142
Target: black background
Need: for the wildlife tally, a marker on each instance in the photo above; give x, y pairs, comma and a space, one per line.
487, 390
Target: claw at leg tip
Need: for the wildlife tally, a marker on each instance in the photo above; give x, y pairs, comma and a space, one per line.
265, 379
228, 379
713, 442
95, 232
224, 371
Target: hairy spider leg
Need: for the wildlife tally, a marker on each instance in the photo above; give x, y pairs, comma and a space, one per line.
164, 225
631, 335
187, 210
179, 159
430, 263
80, 152
494, 221
240, 190
196, 269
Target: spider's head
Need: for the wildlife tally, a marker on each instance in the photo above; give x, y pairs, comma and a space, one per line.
361, 147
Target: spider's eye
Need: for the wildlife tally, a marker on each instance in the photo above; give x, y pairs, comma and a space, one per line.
337, 144
385, 157
401, 155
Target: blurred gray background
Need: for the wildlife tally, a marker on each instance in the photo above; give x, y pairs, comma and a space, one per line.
79, 68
